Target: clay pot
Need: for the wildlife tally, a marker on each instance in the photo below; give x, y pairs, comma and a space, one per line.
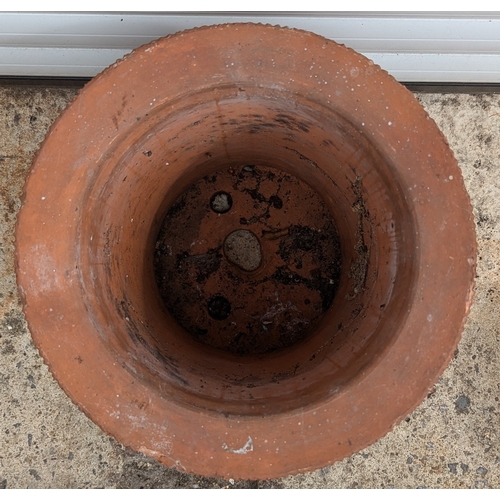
209, 99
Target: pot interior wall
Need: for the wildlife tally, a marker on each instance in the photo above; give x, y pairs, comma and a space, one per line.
216, 129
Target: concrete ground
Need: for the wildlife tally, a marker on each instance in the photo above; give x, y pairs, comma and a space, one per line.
450, 441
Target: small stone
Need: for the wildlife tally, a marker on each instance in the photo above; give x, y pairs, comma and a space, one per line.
482, 471
242, 248
462, 403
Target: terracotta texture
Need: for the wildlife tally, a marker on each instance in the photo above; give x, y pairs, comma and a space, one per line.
216, 98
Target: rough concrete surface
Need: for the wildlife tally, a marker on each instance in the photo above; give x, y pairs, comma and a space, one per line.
450, 441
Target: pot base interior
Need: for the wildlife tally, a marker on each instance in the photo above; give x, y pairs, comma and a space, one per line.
248, 260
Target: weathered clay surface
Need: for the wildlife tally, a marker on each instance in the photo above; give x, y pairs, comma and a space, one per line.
449, 441
391, 185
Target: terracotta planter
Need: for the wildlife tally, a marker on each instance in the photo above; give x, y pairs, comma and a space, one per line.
211, 100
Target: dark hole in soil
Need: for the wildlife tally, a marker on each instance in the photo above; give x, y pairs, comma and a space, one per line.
221, 202
219, 307
222, 301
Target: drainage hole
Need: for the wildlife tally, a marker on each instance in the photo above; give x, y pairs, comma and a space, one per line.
221, 202
219, 307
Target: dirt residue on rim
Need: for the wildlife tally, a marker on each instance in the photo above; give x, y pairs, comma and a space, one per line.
212, 293
359, 268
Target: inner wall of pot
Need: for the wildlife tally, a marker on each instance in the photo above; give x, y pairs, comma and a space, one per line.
166, 152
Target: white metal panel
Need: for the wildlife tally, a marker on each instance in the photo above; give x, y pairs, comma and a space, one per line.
50, 62
463, 68
413, 47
